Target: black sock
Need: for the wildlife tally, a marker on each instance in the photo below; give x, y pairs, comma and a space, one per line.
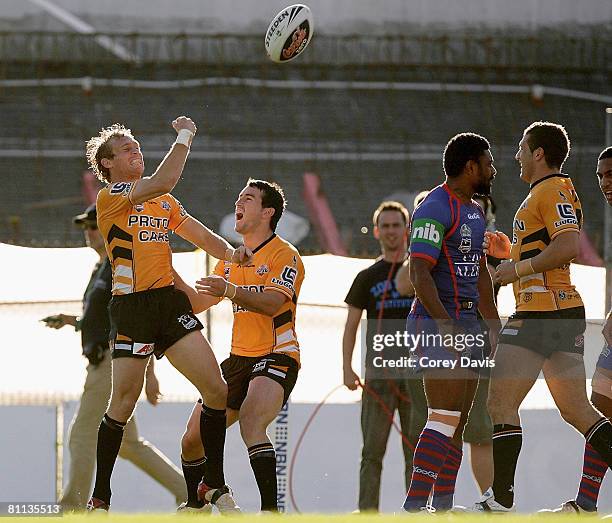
599, 436
263, 463
110, 435
212, 432
507, 441
193, 471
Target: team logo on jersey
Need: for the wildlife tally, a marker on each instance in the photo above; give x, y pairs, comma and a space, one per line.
165, 205
262, 269
466, 239
426, 230
567, 215
120, 188
187, 321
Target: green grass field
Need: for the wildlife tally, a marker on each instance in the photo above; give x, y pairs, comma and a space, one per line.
310, 518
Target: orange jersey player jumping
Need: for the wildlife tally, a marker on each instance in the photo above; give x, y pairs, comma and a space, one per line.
263, 365
148, 314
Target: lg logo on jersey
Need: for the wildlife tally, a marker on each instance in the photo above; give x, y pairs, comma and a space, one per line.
567, 215
287, 278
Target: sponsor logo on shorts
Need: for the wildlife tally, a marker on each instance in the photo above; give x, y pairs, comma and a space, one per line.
143, 349
187, 321
426, 230
429, 473
527, 297
260, 365
579, 341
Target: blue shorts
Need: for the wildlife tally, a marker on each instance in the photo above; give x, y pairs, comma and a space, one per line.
462, 350
605, 358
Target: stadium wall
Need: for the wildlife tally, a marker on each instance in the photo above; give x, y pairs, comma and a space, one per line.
339, 16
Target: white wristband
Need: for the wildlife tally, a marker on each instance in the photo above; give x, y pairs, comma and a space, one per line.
228, 286
184, 137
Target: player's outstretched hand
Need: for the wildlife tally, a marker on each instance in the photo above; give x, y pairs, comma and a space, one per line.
212, 285
57, 321
183, 122
242, 255
496, 244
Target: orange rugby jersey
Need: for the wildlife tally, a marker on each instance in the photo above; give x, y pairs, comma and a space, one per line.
276, 264
136, 237
552, 207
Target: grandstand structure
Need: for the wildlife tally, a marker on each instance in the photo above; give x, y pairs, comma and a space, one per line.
369, 114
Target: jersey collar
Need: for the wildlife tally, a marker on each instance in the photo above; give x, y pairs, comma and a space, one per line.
264, 243
556, 175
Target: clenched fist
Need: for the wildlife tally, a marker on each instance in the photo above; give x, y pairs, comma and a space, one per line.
183, 122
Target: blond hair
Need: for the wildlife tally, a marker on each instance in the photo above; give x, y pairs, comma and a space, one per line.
99, 147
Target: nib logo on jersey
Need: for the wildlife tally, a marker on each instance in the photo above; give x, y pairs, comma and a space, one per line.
426, 230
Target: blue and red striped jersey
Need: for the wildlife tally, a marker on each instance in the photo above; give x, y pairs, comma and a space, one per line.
449, 234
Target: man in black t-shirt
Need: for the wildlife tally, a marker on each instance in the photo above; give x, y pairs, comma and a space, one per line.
374, 290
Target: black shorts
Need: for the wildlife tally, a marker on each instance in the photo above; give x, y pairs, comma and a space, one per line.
238, 371
546, 332
149, 322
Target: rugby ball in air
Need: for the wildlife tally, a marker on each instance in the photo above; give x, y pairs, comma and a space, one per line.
289, 33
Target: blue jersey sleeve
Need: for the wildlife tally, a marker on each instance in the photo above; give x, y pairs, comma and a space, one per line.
430, 222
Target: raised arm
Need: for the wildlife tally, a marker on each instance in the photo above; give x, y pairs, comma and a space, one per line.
171, 167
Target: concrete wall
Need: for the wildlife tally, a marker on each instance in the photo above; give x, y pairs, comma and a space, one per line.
326, 471
343, 16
